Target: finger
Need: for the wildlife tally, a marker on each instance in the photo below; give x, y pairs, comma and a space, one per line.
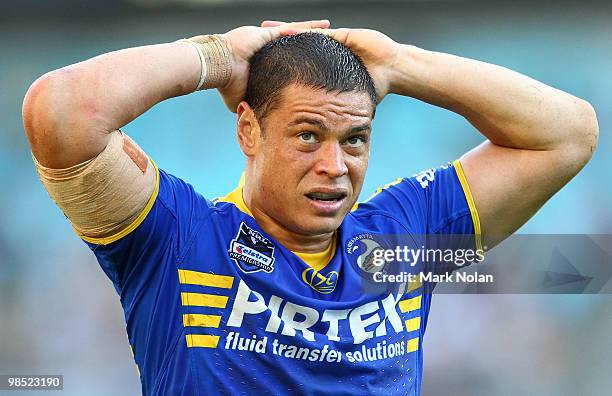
320, 24
289, 30
272, 23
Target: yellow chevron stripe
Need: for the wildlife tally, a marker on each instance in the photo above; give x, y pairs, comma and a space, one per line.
413, 324
201, 320
411, 304
205, 279
202, 340
203, 300
413, 344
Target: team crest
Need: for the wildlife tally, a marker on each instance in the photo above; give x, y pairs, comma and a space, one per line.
364, 246
251, 251
322, 283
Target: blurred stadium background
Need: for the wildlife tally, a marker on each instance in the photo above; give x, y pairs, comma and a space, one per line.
60, 315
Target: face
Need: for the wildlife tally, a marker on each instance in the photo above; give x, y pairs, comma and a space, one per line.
307, 170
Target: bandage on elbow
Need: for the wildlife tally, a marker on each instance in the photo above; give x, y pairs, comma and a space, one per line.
103, 197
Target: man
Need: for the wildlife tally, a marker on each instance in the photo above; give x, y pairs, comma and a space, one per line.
260, 291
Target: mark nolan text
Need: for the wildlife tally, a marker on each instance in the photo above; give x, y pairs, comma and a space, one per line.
454, 277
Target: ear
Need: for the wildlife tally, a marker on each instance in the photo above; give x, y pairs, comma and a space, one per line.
248, 129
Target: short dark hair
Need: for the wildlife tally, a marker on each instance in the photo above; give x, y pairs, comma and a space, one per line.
310, 59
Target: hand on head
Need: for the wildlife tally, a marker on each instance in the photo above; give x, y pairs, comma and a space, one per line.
376, 50
244, 42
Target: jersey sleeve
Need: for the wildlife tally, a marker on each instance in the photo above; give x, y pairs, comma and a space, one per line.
157, 237
433, 202
142, 265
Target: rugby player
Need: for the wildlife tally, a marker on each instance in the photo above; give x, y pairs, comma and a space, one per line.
259, 291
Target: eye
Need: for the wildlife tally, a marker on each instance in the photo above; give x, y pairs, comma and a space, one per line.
355, 141
307, 137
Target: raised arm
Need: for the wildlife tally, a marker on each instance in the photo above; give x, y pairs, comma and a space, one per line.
68, 113
538, 137
99, 177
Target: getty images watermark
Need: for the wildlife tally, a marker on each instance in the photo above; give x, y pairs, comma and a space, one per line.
520, 264
418, 264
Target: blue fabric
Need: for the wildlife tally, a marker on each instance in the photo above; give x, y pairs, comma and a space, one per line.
332, 332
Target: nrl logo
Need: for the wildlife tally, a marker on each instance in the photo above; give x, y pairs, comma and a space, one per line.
251, 251
322, 283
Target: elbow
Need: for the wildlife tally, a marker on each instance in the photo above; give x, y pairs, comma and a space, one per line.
44, 104
584, 136
36, 110
589, 130
51, 106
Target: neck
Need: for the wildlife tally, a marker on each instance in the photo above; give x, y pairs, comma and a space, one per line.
294, 241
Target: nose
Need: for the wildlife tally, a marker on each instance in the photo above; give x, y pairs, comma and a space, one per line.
331, 160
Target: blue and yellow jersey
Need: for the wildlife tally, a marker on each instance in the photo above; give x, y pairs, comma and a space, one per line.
214, 305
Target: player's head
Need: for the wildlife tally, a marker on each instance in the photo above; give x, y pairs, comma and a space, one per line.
305, 128
309, 59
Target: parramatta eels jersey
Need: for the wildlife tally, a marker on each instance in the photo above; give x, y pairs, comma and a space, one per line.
214, 305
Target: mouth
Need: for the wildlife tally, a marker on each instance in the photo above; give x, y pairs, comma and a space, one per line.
326, 196
327, 202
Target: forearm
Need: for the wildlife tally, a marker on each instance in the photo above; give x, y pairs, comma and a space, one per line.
124, 84
510, 109
69, 112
